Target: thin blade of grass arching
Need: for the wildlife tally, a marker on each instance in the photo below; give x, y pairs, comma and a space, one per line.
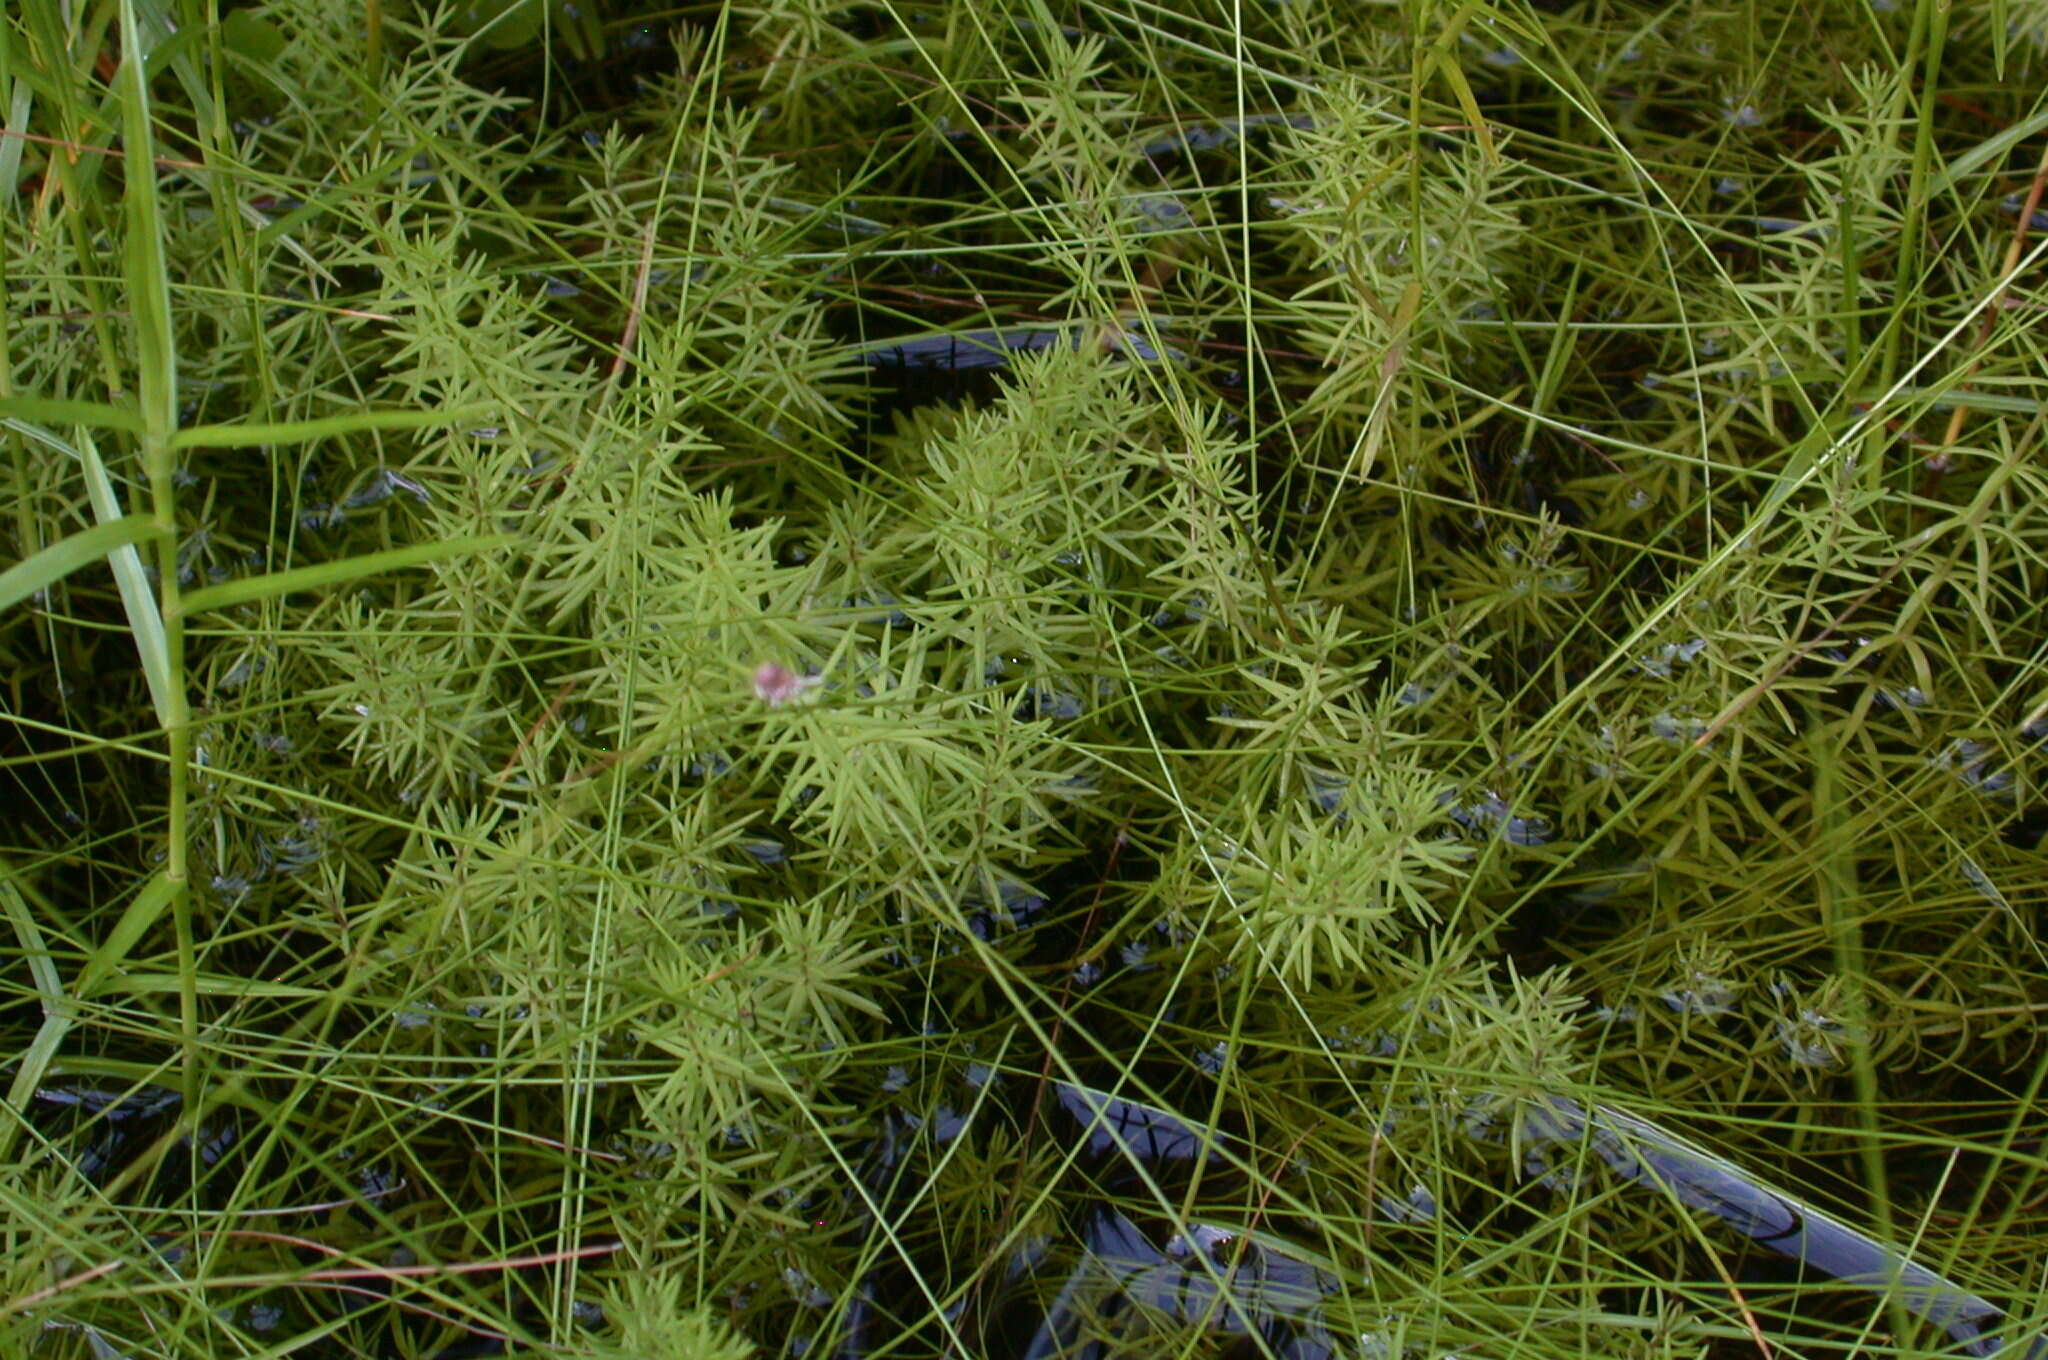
156, 377
19, 104
18, 95
144, 623
167, 45
35, 1059
67, 555
58, 1013
327, 574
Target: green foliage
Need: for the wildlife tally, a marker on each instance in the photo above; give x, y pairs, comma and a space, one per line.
592, 799
656, 1322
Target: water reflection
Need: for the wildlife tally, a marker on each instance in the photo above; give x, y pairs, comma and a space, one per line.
1137, 1131
968, 351
1124, 1283
1206, 1277
1639, 1151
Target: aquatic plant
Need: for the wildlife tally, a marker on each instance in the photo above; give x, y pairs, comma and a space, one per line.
1021, 679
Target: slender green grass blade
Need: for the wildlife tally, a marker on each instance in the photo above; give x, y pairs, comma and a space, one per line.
58, 411
148, 272
35, 1058
147, 907
145, 623
327, 427
62, 558
329, 574
19, 105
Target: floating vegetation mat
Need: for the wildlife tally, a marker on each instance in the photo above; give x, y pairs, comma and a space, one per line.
1023, 681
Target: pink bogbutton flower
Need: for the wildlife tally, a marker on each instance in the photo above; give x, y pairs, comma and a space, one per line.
776, 684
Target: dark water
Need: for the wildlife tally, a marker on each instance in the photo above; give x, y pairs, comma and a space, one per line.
1123, 1275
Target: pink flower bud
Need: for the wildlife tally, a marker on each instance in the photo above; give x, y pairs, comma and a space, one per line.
776, 684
